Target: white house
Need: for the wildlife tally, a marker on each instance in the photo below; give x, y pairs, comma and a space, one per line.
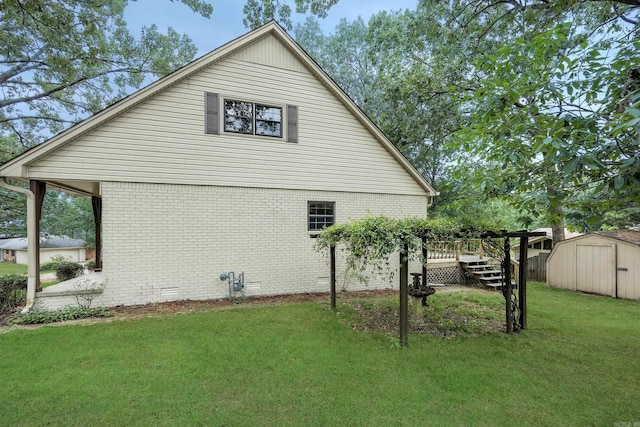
15, 250
544, 244
238, 158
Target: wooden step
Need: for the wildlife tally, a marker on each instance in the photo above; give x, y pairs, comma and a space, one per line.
490, 279
478, 267
491, 272
493, 285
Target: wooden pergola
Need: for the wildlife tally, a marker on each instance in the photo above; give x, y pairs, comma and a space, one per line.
515, 305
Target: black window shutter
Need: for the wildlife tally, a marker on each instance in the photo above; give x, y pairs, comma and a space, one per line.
212, 120
292, 123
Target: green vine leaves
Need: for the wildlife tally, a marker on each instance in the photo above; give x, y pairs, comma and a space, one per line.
370, 242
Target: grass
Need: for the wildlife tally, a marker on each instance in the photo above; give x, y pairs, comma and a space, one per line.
298, 364
11, 268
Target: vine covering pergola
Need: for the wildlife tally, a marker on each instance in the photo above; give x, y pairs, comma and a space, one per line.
372, 241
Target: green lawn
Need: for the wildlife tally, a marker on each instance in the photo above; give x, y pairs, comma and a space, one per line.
578, 364
10, 268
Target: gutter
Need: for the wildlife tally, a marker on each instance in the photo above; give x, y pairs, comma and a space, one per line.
31, 241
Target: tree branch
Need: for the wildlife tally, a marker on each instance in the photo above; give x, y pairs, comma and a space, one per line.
61, 87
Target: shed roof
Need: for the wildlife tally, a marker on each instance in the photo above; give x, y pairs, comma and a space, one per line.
46, 242
628, 236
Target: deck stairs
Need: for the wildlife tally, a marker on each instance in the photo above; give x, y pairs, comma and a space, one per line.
486, 274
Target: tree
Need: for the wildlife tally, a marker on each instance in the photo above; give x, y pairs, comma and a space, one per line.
543, 108
61, 61
65, 59
500, 69
546, 109
259, 12
361, 58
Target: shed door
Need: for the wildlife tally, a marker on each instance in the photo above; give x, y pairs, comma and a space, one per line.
596, 269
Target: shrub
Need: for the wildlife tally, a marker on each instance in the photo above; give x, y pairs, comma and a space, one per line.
67, 313
90, 264
65, 268
12, 291
47, 266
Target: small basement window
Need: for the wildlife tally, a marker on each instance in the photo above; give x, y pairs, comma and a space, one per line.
321, 215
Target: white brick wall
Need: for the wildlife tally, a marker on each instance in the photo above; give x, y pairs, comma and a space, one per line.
158, 236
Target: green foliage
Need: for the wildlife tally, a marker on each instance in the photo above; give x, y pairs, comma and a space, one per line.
369, 61
370, 241
535, 103
12, 287
259, 12
65, 59
67, 313
71, 216
65, 268
48, 266
90, 264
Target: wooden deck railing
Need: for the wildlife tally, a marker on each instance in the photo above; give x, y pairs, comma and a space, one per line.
452, 249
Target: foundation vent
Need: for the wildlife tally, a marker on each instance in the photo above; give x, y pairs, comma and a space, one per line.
169, 292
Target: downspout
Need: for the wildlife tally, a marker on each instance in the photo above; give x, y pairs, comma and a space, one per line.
31, 241
430, 200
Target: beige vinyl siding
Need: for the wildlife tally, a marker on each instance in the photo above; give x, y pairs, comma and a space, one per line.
269, 51
162, 140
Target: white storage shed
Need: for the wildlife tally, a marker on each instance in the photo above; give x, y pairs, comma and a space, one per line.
603, 263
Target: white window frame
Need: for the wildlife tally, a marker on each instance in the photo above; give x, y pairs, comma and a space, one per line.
310, 215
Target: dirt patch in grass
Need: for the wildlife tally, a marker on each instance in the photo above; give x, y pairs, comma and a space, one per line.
448, 315
189, 306
451, 312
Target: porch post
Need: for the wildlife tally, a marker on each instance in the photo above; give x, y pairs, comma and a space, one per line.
96, 203
38, 188
332, 267
424, 261
522, 280
404, 295
508, 287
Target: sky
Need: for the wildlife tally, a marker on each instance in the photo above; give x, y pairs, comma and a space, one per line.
226, 22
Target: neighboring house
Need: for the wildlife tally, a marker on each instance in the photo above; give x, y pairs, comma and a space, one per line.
544, 244
230, 164
604, 263
15, 250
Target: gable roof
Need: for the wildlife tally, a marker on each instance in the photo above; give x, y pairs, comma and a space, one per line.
48, 242
549, 234
16, 168
628, 236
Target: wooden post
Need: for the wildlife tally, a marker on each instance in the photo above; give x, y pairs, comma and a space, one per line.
424, 261
96, 203
404, 296
522, 281
457, 249
38, 188
332, 267
508, 288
